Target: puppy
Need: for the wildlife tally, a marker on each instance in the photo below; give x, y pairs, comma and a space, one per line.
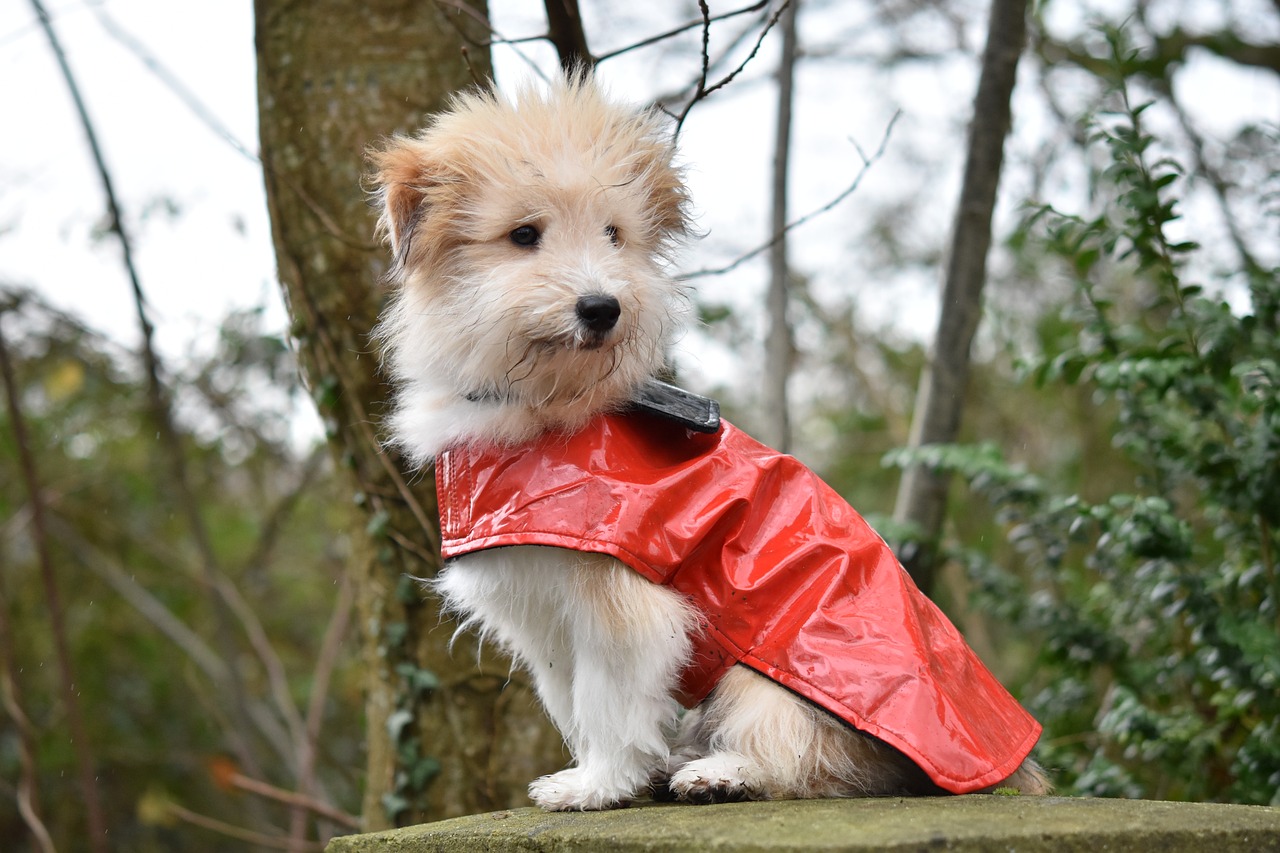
627, 547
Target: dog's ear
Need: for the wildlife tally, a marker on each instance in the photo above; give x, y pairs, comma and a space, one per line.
402, 175
668, 196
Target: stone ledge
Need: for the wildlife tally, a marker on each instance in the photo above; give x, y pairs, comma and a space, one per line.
972, 823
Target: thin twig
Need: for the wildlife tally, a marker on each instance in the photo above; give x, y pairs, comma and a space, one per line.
702, 90
150, 608
231, 831
158, 404
170, 81
412, 547
495, 37
280, 795
867, 163
28, 793
729, 78
94, 816
704, 69
330, 648
683, 28
277, 680
201, 112
276, 517
729, 48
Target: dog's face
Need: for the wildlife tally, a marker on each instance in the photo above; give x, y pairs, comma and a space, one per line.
529, 243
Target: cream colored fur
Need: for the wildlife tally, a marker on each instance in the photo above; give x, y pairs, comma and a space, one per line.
502, 218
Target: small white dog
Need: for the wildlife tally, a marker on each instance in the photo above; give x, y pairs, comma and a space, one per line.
531, 314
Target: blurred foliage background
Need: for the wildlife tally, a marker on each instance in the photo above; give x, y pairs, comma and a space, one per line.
1111, 532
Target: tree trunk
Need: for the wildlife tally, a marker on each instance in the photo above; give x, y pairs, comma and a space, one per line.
564, 29
334, 76
922, 495
779, 346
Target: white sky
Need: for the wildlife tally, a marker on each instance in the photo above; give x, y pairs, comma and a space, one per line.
212, 252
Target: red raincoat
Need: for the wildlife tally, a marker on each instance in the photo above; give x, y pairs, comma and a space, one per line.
790, 579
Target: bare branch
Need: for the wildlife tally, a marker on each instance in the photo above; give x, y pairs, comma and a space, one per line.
702, 90
28, 792
158, 404
728, 78
277, 681
97, 825
867, 163
170, 81
330, 647
495, 37
152, 609
683, 28
280, 795
232, 831
1217, 183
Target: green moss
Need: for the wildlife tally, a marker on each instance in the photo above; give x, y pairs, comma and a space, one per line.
973, 823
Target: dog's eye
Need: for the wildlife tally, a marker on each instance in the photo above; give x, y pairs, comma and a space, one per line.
526, 235
611, 231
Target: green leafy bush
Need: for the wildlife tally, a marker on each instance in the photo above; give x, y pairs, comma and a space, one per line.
1154, 612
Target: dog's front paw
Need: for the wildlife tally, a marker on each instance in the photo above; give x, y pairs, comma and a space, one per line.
575, 790
722, 777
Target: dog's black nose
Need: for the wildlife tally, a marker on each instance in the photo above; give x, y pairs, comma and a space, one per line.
598, 312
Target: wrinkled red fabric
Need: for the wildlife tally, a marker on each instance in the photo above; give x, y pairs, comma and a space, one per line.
790, 579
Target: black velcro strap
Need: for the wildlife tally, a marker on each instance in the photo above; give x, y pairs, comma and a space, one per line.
700, 414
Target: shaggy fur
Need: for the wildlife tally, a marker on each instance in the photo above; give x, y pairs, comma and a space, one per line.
529, 241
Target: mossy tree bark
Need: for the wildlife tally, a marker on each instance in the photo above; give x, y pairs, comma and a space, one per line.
335, 76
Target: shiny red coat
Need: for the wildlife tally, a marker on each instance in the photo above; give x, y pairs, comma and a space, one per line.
790, 579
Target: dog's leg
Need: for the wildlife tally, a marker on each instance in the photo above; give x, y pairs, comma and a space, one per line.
515, 598
763, 742
630, 641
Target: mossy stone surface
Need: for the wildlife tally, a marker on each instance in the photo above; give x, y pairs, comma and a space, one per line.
972, 823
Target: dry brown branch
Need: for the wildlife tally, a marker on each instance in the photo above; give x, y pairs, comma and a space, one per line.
495, 37
730, 46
